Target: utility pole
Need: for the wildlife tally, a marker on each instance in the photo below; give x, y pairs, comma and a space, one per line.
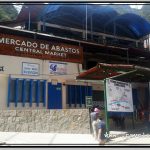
29, 17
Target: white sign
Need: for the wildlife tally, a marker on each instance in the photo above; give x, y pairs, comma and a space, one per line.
58, 68
30, 69
119, 96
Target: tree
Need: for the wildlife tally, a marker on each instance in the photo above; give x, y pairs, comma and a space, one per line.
7, 13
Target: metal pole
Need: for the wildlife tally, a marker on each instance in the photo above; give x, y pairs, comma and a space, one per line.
29, 19
86, 24
91, 27
90, 121
114, 28
148, 43
44, 26
127, 56
105, 103
148, 95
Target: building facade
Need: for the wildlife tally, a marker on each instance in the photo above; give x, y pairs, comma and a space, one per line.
39, 70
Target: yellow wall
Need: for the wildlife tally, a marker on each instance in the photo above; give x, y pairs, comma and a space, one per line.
13, 67
3, 91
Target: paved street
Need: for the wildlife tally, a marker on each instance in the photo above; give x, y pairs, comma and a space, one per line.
139, 136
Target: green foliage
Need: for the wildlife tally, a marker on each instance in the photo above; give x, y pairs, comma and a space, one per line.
145, 12
7, 13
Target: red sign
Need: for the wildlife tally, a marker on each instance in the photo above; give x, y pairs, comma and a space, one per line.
27, 47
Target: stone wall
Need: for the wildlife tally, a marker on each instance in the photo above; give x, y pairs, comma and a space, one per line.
60, 121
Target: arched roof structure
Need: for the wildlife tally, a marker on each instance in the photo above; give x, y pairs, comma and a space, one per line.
99, 18
104, 19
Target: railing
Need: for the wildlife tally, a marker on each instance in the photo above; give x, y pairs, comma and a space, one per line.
95, 37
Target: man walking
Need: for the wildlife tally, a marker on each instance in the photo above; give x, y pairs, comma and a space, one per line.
101, 131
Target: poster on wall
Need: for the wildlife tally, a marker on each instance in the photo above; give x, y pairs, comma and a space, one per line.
30, 69
119, 96
57, 68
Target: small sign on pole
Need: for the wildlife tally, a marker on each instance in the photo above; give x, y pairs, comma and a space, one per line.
89, 101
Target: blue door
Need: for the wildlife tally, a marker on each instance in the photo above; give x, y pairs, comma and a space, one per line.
54, 96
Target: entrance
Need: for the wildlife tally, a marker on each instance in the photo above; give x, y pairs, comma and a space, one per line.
54, 96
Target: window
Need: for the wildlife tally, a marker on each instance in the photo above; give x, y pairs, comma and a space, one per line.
12, 90
26, 91
20, 90
76, 94
34, 84
41, 94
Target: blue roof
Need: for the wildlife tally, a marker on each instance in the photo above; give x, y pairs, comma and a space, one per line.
130, 25
103, 18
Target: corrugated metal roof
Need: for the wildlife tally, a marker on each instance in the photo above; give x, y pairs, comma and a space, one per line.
123, 72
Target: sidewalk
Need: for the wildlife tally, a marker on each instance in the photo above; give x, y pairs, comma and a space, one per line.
13, 138
140, 136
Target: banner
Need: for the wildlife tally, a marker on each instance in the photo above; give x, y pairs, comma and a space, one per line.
119, 96
57, 68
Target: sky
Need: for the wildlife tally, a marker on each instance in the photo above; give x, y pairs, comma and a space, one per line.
136, 6
18, 7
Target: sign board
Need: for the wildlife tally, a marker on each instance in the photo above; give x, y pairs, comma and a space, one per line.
89, 101
33, 48
57, 68
30, 69
119, 96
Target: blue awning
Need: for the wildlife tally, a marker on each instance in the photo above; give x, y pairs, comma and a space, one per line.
130, 25
104, 19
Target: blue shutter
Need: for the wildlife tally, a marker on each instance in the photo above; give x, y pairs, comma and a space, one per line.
80, 96
75, 97
8, 96
37, 93
23, 92
70, 95
30, 93
16, 92
44, 94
